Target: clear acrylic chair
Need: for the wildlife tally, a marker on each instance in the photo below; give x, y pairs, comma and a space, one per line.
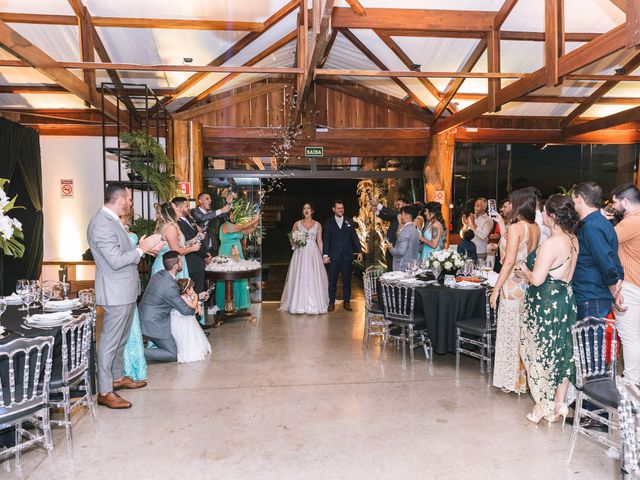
374, 321
74, 377
629, 418
404, 325
24, 387
595, 381
479, 332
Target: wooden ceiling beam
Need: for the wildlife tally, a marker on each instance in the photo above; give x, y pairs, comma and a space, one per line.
423, 20
229, 101
493, 64
604, 45
597, 96
581, 37
319, 42
20, 47
555, 99
404, 58
236, 47
633, 24
455, 84
357, 7
126, 22
371, 56
53, 89
554, 39
621, 4
327, 72
630, 115
391, 103
261, 56
503, 13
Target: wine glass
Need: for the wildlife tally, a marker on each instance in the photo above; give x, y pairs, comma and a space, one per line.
46, 292
87, 298
3, 306
21, 286
27, 296
436, 269
65, 290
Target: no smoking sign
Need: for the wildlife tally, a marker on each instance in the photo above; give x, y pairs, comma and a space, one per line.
66, 188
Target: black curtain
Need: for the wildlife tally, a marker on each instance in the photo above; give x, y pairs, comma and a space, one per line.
20, 163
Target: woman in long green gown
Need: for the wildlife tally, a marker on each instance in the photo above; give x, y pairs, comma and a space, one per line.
550, 311
231, 235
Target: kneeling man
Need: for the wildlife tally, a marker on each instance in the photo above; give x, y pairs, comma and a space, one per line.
160, 297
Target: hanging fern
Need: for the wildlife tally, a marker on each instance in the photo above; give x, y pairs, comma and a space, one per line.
152, 164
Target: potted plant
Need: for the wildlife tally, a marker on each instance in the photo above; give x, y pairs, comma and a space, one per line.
150, 163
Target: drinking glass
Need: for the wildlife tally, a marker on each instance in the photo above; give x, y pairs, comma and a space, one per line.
87, 298
3, 306
46, 292
436, 269
21, 286
65, 290
468, 267
27, 296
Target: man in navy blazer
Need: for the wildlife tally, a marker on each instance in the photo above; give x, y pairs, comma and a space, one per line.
339, 242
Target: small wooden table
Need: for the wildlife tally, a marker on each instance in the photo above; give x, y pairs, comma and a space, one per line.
230, 310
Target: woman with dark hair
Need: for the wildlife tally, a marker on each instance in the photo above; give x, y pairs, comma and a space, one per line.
432, 237
550, 311
306, 289
419, 220
167, 227
521, 238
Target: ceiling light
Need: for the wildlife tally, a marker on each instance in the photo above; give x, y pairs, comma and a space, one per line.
187, 60
416, 67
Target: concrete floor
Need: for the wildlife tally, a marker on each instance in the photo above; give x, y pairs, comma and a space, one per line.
295, 397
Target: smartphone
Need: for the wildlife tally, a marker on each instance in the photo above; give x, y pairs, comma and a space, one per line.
492, 207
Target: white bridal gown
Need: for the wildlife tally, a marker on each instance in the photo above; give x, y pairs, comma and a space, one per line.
306, 290
191, 341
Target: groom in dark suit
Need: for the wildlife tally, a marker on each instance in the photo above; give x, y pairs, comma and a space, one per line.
339, 242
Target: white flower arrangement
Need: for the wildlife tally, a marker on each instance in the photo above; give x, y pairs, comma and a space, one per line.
11, 235
297, 239
446, 259
229, 266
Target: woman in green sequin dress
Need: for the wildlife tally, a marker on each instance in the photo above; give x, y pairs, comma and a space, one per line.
550, 312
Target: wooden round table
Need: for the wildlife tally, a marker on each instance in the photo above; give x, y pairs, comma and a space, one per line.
230, 310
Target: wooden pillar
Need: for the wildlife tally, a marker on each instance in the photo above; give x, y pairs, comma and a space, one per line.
196, 160
438, 171
181, 150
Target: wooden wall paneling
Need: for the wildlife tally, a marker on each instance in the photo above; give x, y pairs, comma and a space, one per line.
258, 106
276, 117
361, 117
181, 150
348, 109
321, 104
196, 158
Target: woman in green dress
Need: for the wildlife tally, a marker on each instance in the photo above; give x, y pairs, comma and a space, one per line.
231, 235
550, 312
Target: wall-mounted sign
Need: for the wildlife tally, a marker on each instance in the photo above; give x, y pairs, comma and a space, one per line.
439, 196
185, 188
314, 151
66, 188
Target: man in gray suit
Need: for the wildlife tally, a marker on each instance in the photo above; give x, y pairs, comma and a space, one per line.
160, 297
117, 289
408, 242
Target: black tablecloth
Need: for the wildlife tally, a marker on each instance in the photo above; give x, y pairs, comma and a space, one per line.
442, 307
12, 320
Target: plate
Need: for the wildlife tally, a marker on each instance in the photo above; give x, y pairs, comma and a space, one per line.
468, 287
48, 324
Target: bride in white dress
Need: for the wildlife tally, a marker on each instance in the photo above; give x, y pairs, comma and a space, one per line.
191, 341
306, 289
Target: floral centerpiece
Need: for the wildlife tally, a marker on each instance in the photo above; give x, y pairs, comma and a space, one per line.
243, 212
448, 261
11, 235
297, 239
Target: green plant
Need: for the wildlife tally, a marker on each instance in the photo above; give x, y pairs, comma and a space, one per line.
567, 191
152, 164
142, 226
11, 235
243, 212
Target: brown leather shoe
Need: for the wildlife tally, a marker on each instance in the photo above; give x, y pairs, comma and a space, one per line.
331, 307
113, 400
347, 306
128, 383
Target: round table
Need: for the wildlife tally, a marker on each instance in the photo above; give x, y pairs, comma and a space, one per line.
230, 310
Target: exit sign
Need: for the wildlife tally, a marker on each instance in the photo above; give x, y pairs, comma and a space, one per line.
314, 151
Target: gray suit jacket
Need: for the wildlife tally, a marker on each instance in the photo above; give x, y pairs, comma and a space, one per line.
117, 279
160, 297
406, 247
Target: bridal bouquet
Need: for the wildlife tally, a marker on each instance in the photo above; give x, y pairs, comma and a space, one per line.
11, 235
297, 239
448, 260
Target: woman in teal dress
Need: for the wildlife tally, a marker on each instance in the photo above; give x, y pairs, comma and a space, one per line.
135, 365
231, 236
549, 313
433, 236
167, 227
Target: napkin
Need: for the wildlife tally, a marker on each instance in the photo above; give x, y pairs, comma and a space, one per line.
393, 275
50, 317
465, 283
13, 299
63, 303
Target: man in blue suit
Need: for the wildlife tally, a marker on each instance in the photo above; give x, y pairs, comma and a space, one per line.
339, 242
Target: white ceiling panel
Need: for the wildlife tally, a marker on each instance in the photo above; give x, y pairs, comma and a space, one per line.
58, 100
535, 109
